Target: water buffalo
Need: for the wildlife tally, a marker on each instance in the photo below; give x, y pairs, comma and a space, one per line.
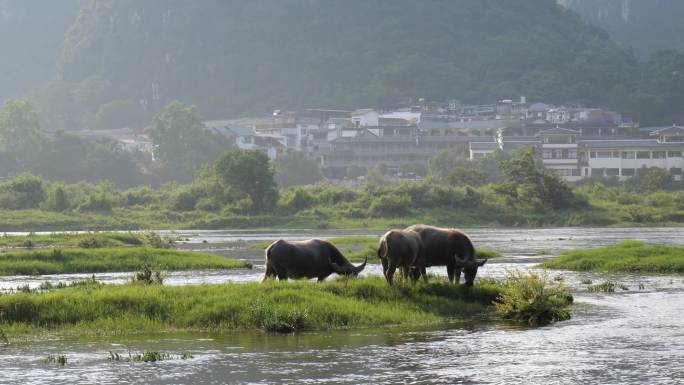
314, 258
404, 249
450, 248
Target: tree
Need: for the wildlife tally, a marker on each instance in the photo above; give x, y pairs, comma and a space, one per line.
295, 168
527, 182
442, 164
20, 136
376, 175
652, 179
249, 173
181, 142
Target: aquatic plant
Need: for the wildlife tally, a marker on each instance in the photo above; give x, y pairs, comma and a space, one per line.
530, 298
59, 359
586, 281
153, 356
605, 287
149, 276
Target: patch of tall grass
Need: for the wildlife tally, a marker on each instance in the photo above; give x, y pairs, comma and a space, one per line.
532, 298
626, 256
272, 306
78, 260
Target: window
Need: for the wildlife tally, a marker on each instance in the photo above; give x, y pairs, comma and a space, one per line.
628, 172
592, 154
604, 154
674, 154
572, 154
547, 154
629, 155
612, 171
659, 154
597, 172
643, 155
676, 171
616, 154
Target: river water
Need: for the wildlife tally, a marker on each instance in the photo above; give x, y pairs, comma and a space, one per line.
633, 336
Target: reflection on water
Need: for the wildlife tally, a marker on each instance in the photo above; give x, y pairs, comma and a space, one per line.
629, 337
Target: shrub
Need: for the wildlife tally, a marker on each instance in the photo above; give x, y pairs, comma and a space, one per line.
149, 276
24, 191
390, 205
530, 298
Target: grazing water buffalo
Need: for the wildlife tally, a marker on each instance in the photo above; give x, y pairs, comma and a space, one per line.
314, 258
450, 248
404, 249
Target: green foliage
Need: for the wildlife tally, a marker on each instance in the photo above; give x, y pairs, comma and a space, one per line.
527, 182
20, 135
605, 287
478, 52
118, 114
58, 198
271, 306
181, 143
627, 256
149, 276
93, 260
390, 206
249, 173
24, 191
531, 298
652, 179
295, 168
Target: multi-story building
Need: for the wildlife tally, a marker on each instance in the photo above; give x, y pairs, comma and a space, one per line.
575, 157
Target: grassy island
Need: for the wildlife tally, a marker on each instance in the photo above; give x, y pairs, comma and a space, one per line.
78, 260
627, 256
273, 306
100, 252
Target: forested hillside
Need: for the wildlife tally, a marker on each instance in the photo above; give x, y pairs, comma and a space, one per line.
114, 63
645, 25
239, 57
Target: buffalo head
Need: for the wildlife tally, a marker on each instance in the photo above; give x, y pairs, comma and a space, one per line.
470, 269
348, 269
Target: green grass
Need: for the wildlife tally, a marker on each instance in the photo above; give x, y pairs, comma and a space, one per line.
627, 256
104, 239
533, 299
272, 306
357, 248
78, 260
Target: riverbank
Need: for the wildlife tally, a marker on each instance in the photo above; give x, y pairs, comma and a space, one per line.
97, 260
626, 256
602, 213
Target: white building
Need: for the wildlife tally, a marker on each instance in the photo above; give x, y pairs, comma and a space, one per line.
574, 158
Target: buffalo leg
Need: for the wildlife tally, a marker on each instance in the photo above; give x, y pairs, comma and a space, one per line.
269, 273
450, 273
423, 272
389, 274
384, 266
457, 274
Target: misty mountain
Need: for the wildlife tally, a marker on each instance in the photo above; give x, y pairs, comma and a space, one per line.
644, 25
31, 36
241, 57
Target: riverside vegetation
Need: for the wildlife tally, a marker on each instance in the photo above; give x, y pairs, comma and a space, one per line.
272, 306
626, 256
239, 191
101, 252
